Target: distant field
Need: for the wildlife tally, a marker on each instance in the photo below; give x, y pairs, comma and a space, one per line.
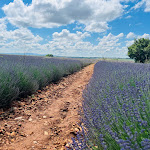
79, 58
23, 75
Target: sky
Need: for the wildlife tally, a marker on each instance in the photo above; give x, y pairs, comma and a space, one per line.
77, 28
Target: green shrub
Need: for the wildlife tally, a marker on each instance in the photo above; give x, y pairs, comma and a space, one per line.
49, 55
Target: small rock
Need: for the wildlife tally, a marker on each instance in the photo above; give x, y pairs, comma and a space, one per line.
31, 133
14, 108
22, 134
45, 133
20, 124
23, 103
18, 118
68, 145
13, 134
67, 141
7, 125
76, 130
30, 119
35, 142
72, 130
12, 140
44, 117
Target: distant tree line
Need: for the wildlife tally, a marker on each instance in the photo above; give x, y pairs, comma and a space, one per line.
140, 50
49, 55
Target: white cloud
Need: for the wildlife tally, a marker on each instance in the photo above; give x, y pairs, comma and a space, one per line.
145, 35
54, 13
146, 4
73, 44
3, 25
129, 43
63, 43
128, 17
20, 39
109, 42
110, 46
147, 9
21, 34
69, 44
96, 27
66, 35
130, 35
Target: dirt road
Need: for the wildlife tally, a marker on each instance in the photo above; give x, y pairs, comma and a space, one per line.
48, 119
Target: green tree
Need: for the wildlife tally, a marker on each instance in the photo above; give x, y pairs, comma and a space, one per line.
140, 50
49, 55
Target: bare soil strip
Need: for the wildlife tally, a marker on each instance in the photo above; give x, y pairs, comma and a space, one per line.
48, 119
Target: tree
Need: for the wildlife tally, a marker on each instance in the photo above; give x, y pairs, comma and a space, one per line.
140, 50
49, 55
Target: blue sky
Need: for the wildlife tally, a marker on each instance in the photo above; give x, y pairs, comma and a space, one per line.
90, 28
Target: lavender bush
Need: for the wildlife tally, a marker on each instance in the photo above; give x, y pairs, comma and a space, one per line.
116, 108
23, 75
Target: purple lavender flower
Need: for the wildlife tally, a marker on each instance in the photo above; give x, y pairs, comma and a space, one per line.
116, 106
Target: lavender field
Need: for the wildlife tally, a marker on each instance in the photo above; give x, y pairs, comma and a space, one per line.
23, 75
116, 108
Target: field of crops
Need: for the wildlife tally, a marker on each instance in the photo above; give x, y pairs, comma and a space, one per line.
116, 108
23, 75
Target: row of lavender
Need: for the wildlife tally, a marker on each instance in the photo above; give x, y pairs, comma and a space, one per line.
23, 75
117, 108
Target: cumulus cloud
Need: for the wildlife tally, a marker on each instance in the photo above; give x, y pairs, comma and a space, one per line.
129, 43
3, 25
145, 35
109, 45
145, 3
21, 34
54, 13
66, 35
130, 35
19, 39
69, 44
96, 26
63, 43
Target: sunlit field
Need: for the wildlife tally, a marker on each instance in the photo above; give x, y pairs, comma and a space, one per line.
23, 75
116, 108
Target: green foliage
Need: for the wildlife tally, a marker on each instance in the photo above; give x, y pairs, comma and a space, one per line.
20, 77
49, 55
8, 91
140, 50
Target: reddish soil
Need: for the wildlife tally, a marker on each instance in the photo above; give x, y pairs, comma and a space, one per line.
48, 119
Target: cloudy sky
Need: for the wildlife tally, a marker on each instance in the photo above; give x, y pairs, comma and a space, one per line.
101, 28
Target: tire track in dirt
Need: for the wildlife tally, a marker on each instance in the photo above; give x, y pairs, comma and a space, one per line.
48, 119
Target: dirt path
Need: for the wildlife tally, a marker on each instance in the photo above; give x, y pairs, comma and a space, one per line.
48, 119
